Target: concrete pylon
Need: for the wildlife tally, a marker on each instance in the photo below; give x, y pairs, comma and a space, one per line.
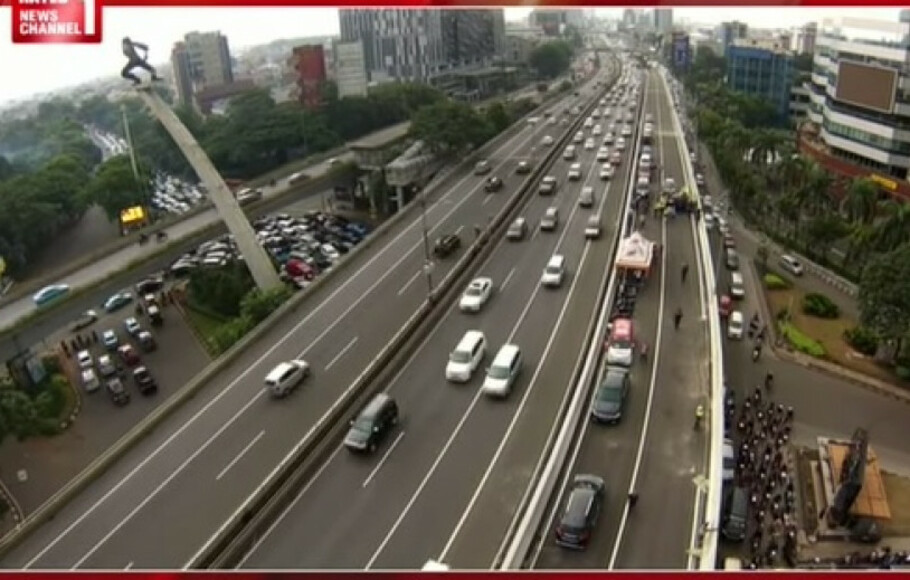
255, 256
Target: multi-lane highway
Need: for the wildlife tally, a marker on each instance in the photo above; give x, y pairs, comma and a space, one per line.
654, 450
449, 482
173, 490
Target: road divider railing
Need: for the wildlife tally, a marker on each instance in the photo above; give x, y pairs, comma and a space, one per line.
49, 509
314, 187
528, 525
703, 546
242, 530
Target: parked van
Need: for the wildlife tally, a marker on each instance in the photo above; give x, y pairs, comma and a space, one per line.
621, 343
791, 264
466, 357
554, 271
737, 288
372, 424
502, 373
735, 513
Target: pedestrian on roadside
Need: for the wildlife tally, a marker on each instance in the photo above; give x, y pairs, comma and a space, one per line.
685, 272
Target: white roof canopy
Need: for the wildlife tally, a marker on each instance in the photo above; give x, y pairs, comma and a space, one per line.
635, 253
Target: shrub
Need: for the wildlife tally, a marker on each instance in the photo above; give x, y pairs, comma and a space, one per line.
802, 342
775, 282
862, 339
229, 333
820, 306
783, 315
903, 373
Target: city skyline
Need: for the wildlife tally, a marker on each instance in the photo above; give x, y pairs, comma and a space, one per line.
37, 67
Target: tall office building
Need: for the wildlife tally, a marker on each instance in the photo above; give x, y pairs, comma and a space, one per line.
350, 69
859, 107
416, 45
628, 18
762, 69
805, 40
662, 20
201, 61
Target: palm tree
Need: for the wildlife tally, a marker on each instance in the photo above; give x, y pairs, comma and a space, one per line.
894, 228
861, 201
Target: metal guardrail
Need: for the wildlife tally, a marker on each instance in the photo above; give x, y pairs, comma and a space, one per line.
709, 496
251, 520
534, 511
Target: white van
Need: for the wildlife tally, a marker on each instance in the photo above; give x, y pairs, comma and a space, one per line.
791, 264
285, 377
735, 325
466, 357
737, 288
502, 373
554, 272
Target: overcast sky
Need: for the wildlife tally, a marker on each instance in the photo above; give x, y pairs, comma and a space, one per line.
27, 69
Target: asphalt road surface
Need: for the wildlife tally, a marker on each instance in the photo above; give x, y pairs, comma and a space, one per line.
655, 443
448, 482
173, 490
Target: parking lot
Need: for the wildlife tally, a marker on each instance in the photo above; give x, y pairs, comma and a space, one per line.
304, 240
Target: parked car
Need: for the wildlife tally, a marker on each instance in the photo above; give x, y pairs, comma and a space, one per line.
118, 392
144, 380
582, 510
128, 355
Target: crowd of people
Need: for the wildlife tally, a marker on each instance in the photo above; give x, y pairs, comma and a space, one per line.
763, 430
884, 559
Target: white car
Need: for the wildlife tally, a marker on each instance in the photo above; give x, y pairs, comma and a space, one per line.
606, 172
729, 465
285, 377
596, 130
547, 141
132, 326
608, 139
476, 295
84, 358
626, 130
620, 144
735, 325
589, 144
329, 251
603, 154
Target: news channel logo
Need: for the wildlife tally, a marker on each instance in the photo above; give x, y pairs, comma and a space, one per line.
56, 21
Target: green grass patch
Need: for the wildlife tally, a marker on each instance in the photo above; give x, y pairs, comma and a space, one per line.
207, 325
801, 341
774, 282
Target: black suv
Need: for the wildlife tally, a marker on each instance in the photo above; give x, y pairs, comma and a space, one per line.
446, 245
145, 382
610, 399
493, 184
117, 392
372, 424
582, 509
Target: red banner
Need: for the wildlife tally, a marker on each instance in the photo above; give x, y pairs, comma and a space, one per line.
490, 3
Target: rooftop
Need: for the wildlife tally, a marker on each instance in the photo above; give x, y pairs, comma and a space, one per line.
769, 45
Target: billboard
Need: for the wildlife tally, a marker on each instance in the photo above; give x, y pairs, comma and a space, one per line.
867, 86
681, 51
309, 62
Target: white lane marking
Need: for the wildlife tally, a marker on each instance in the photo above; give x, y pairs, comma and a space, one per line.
487, 199
514, 422
506, 281
341, 353
459, 230
128, 567
639, 455
382, 461
410, 281
240, 455
289, 509
164, 483
240, 379
464, 418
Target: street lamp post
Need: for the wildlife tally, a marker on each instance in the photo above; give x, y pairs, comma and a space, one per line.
427, 258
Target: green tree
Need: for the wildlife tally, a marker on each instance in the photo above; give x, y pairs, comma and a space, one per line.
257, 305
18, 414
116, 188
498, 117
551, 59
220, 290
884, 294
450, 127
